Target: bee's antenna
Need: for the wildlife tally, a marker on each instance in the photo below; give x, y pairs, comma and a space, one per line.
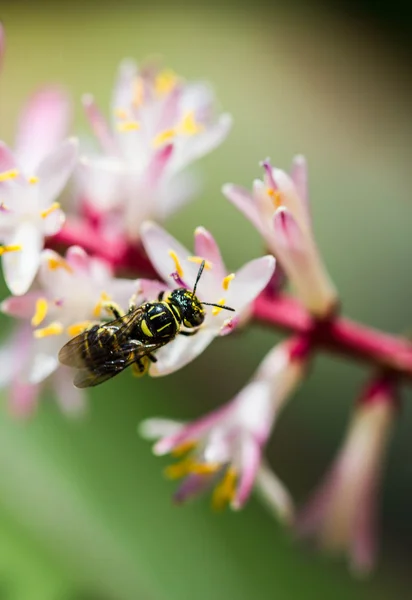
219, 306
199, 274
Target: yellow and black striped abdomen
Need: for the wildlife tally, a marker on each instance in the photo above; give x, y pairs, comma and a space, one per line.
159, 322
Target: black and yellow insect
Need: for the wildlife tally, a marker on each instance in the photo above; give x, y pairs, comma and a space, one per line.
104, 350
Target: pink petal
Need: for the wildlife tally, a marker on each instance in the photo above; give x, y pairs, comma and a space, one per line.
99, 124
72, 401
249, 460
7, 159
207, 248
13, 353
123, 89
158, 164
55, 170
243, 200
22, 307
23, 399
287, 231
192, 486
43, 124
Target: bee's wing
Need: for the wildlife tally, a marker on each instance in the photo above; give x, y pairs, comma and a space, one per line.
72, 354
103, 370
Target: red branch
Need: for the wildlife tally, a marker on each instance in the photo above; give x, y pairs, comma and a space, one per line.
338, 334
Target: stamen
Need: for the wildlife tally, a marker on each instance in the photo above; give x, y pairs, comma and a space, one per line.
120, 113
276, 197
33, 179
7, 175
53, 329
163, 136
189, 126
104, 297
225, 491
198, 260
59, 263
77, 328
138, 92
165, 82
226, 281
176, 261
42, 307
183, 449
128, 126
45, 213
4, 249
188, 466
216, 310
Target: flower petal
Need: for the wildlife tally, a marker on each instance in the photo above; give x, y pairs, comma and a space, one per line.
156, 428
207, 248
102, 182
274, 494
22, 307
43, 124
23, 399
55, 170
250, 457
71, 400
8, 161
99, 124
20, 267
249, 281
299, 175
180, 352
243, 200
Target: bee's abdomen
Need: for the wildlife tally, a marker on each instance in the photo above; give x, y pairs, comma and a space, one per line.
100, 344
159, 322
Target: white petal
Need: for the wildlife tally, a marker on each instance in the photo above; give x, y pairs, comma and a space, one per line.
180, 352
249, 281
55, 170
274, 494
102, 182
20, 267
71, 400
156, 428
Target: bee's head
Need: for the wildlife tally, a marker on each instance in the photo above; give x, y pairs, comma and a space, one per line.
190, 307
191, 311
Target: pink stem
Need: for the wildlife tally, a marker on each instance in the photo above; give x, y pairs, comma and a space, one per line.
337, 334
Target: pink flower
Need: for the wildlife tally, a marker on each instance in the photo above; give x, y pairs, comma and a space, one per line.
342, 511
278, 208
237, 290
160, 124
70, 295
224, 448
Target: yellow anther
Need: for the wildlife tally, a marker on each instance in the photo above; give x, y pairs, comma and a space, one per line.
14, 248
42, 307
98, 308
128, 126
138, 92
165, 81
163, 137
176, 261
276, 197
77, 328
45, 213
188, 126
189, 466
216, 309
225, 491
59, 263
11, 174
4, 207
198, 260
183, 449
120, 113
52, 329
226, 281
33, 179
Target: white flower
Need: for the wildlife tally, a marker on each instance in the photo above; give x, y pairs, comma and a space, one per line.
69, 297
236, 290
224, 448
278, 207
342, 512
28, 211
160, 124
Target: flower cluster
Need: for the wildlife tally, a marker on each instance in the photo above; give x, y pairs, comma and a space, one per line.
62, 263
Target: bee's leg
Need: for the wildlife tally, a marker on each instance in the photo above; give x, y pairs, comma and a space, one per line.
141, 366
161, 296
188, 333
113, 309
152, 357
133, 303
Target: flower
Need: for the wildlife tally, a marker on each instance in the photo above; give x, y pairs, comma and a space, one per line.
279, 209
342, 511
237, 290
160, 124
224, 448
28, 211
70, 296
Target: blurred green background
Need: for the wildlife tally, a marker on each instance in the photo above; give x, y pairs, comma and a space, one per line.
84, 511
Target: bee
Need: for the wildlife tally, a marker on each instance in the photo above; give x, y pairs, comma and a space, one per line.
104, 350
